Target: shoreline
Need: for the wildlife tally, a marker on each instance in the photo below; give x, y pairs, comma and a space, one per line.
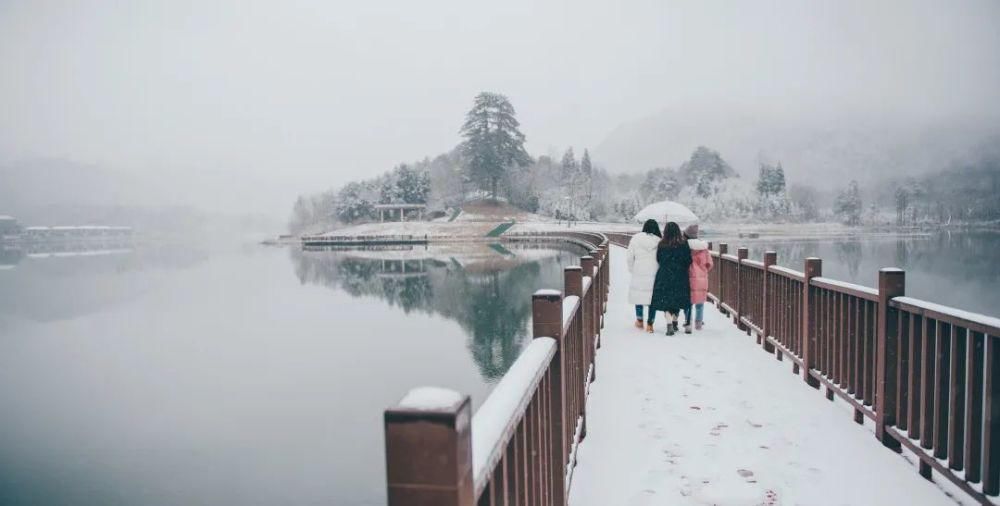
449, 232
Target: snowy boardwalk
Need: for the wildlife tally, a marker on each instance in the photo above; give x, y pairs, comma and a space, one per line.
709, 418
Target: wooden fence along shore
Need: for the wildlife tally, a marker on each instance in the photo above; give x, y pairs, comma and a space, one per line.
924, 373
520, 446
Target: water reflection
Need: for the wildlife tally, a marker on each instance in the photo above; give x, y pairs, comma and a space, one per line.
486, 289
45, 282
953, 268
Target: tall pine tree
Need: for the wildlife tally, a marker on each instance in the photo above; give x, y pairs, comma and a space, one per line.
493, 141
586, 179
568, 165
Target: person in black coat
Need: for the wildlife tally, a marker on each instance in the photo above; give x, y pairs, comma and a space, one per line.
672, 288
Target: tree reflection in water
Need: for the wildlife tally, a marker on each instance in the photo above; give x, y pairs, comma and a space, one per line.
488, 292
849, 253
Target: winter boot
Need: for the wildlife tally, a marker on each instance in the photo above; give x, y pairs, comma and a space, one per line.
649, 328
638, 323
699, 325
687, 328
671, 329
674, 325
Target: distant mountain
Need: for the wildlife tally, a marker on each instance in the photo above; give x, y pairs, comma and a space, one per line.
863, 146
46, 191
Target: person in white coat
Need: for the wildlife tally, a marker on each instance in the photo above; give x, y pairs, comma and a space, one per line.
642, 266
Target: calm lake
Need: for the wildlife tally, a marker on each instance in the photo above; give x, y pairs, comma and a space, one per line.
177, 375
958, 269
173, 377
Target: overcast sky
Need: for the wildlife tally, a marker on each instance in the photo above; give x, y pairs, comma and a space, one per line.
278, 98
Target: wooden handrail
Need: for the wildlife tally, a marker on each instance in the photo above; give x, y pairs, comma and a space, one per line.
928, 375
520, 446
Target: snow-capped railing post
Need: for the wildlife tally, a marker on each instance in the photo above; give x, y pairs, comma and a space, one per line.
573, 285
588, 262
891, 283
770, 258
583, 348
738, 304
428, 449
547, 321
813, 268
605, 282
723, 249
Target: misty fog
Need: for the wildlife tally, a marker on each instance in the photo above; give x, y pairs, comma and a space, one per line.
235, 235
239, 107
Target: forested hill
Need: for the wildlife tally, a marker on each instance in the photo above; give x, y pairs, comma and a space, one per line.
851, 146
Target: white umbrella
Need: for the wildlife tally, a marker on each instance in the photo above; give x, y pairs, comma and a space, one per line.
666, 211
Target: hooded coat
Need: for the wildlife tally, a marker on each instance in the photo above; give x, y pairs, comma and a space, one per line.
672, 288
701, 263
642, 266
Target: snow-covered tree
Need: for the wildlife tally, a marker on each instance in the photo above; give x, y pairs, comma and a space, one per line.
732, 199
568, 166
770, 180
586, 182
848, 205
356, 201
412, 186
773, 202
660, 184
704, 170
493, 140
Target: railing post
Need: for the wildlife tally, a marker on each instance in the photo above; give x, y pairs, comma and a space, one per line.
604, 285
723, 250
573, 285
587, 263
428, 449
741, 255
891, 283
573, 280
813, 268
770, 258
546, 321
607, 279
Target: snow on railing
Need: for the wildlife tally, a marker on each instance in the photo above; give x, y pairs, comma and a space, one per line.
430, 399
845, 287
790, 273
533, 420
569, 309
941, 312
491, 428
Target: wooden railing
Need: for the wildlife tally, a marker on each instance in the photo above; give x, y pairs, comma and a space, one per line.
925, 374
520, 446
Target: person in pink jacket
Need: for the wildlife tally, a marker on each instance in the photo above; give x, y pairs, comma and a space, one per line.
701, 263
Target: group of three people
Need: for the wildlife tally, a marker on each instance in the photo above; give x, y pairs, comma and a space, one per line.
670, 274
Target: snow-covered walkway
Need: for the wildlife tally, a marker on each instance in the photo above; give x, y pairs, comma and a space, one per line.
709, 418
